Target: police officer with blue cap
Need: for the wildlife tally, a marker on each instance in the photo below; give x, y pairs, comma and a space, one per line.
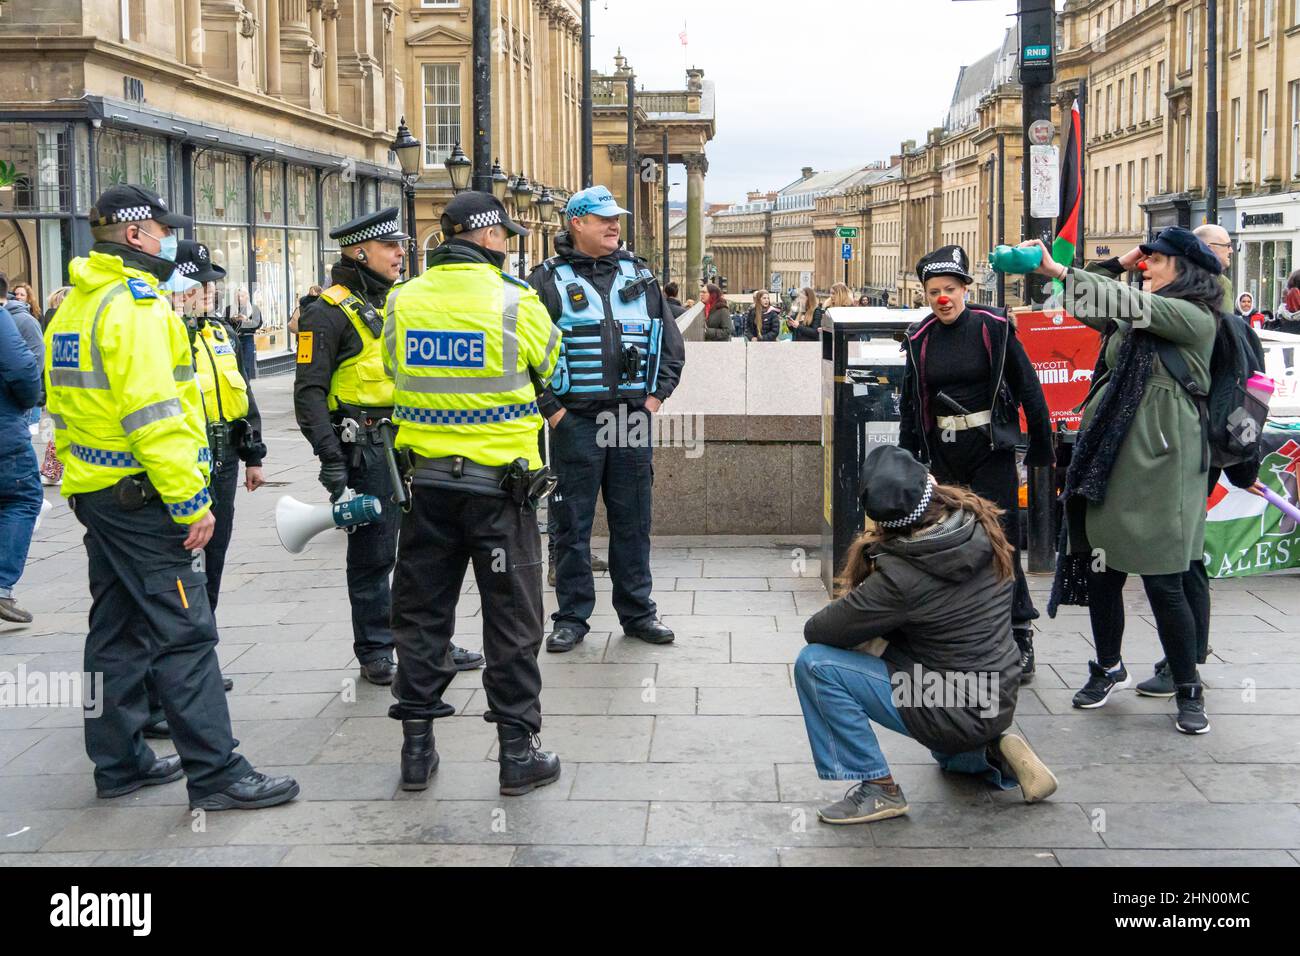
621, 356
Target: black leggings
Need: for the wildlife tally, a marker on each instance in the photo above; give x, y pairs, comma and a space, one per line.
1180, 603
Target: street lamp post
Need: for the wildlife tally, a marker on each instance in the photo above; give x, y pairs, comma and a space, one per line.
407, 148
459, 168
499, 182
545, 210
523, 193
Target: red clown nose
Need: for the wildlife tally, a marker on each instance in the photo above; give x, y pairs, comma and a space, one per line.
943, 300
1142, 266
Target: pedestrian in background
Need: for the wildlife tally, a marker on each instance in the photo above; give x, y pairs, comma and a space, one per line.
20, 488
840, 298
1135, 491
670, 296
805, 316
864, 300
932, 583
1247, 311
718, 324
25, 294
312, 295
246, 318
763, 321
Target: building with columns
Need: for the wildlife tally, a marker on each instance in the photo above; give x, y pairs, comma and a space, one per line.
268, 121
675, 125
536, 103
739, 242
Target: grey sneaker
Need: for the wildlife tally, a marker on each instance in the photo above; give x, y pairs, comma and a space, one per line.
864, 803
12, 612
1160, 684
1037, 782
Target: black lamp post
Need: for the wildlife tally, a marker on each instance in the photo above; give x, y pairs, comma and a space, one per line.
523, 193
545, 210
407, 148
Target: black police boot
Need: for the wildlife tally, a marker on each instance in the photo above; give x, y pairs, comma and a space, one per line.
466, 660
1024, 637
523, 766
380, 671
164, 770
419, 757
253, 791
652, 632
562, 640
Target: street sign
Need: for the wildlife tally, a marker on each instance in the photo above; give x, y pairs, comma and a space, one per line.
777, 283
846, 251
848, 232
1036, 53
1041, 132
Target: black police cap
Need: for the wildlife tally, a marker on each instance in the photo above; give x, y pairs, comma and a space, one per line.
895, 490
945, 261
383, 225
475, 210
194, 261
128, 202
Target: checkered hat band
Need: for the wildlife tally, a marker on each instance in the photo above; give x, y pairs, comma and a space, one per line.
129, 214
915, 516
187, 268
369, 232
481, 220
931, 267
464, 416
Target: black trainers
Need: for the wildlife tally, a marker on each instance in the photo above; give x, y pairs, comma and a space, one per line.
1101, 683
1160, 684
465, 659
864, 803
1024, 637
1191, 709
253, 791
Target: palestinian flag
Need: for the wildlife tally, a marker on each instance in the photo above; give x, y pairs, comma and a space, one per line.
1067, 233
1243, 534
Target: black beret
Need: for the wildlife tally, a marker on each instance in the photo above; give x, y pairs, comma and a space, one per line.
1177, 241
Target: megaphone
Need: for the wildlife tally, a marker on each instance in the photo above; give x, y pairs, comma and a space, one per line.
297, 523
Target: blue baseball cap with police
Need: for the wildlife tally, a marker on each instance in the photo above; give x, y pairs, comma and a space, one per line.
1177, 241
593, 201
382, 225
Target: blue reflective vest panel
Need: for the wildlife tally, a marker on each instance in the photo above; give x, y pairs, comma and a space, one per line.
609, 348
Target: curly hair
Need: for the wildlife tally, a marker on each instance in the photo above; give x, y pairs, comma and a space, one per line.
861, 559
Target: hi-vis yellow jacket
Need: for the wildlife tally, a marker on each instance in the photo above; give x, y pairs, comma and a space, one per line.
120, 379
223, 389
460, 342
362, 379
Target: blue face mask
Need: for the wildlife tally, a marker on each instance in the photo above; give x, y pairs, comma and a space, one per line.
167, 245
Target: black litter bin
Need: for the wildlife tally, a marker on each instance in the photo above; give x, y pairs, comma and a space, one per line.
862, 377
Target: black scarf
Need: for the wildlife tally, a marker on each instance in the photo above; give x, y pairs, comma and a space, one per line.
1095, 454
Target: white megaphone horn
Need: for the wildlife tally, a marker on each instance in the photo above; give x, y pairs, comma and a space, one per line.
45, 506
297, 523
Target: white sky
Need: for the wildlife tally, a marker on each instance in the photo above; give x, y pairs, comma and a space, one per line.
821, 83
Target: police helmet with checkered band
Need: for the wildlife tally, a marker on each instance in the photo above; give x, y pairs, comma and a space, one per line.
383, 226
194, 261
474, 210
128, 202
945, 261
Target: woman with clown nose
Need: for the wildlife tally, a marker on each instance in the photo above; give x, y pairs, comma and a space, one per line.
965, 380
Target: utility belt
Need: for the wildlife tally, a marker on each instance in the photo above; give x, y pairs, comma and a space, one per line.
513, 481
960, 423
362, 426
228, 439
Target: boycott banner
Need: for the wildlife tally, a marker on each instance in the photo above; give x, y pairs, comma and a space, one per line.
1246, 535
1063, 351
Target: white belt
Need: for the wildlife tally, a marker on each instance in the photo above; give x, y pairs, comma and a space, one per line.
959, 423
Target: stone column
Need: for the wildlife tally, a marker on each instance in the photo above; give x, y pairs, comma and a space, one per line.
194, 33
330, 12
696, 166
273, 47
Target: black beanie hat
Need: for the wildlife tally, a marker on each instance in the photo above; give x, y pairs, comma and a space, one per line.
896, 488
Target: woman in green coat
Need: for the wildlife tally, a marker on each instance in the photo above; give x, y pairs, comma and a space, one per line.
1135, 492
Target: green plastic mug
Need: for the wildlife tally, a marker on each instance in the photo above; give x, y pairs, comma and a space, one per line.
1016, 259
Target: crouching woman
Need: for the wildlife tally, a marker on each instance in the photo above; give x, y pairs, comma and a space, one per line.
920, 643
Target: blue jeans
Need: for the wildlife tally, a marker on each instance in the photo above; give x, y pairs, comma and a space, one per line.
841, 692
20, 504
